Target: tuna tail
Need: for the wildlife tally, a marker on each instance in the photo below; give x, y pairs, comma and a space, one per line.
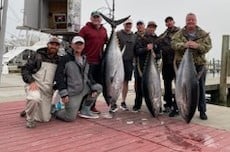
114, 23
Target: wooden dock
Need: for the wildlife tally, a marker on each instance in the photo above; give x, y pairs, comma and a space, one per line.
127, 132
213, 87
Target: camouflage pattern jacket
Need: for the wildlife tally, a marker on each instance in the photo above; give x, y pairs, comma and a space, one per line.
201, 37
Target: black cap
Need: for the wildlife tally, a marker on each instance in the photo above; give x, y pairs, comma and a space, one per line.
95, 13
152, 24
140, 22
168, 18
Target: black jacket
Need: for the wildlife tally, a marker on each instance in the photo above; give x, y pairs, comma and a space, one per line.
141, 49
164, 44
34, 64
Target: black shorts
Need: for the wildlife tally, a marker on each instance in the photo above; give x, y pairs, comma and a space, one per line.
128, 68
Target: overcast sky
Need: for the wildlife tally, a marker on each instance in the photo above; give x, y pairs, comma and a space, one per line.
212, 15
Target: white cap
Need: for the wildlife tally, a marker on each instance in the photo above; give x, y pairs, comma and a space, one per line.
54, 39
78, 39
129, 20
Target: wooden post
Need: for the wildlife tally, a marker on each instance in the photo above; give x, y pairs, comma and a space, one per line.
223, 72
228, 63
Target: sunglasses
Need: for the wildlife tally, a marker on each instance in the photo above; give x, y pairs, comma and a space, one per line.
96, 16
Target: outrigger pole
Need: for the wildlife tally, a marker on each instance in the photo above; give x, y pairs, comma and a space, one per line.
113, 10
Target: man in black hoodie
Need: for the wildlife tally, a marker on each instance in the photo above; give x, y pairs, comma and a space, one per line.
38, 74
167, 65
144, 44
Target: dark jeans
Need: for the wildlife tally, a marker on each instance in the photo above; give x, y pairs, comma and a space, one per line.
168, 77
168, 95
138, 90
95, 70
201, 70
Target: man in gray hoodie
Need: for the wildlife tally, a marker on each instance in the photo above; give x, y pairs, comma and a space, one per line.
75, 84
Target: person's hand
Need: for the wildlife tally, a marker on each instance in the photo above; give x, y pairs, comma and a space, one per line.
94, 94
33, 86
65, 99
149, 46
191, 44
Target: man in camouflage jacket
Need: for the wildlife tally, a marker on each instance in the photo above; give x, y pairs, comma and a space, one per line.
199, 43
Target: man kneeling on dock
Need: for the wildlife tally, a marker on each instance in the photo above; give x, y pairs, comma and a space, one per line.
75, 84
38, 74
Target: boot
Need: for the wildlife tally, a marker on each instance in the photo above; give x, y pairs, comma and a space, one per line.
85, 111
174, 110
30, 124
23, 113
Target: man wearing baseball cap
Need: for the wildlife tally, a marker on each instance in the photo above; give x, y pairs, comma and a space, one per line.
126, 39
38, 74
144, 44
75, 84
95, 36
140, 25
168, 72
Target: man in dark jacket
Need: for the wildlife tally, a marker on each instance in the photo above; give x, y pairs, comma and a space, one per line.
95, 36
38, 74
143, 45
167, 65
140, 25
74, 85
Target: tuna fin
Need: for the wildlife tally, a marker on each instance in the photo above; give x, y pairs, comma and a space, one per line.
123, 50
114, 23
112, 77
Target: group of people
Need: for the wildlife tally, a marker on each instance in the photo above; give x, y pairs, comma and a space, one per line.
77, 76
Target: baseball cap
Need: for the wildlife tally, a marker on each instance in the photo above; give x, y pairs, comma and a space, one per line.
78, 39
140, 22
95, 13
168, 18
54, 39
152, 23
128, 21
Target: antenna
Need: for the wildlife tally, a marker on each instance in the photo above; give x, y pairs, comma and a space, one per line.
113, 10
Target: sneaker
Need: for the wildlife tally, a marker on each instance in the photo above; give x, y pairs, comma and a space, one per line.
135, 110
30, 124
107, 115
203, 116
95, 111
23, 113
113, 108
88, 116
173, 113
123, 106
167, 110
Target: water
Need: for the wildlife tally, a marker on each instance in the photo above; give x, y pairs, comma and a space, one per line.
213, 75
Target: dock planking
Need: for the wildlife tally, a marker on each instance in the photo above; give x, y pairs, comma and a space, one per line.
104, 135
